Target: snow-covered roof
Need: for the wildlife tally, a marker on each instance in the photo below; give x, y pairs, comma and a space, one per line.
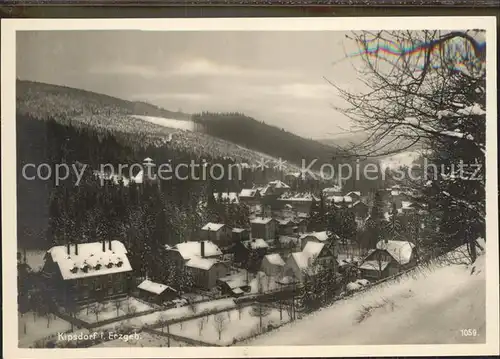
91, 259
278, 184
239, 230
261, 220
339, 199
153, 287
406, 204
285, 240
374, 265
298, 197
263, 190
356, 193
332, 190
201, 263
212, 227
248, 192
231, 197
192, 249
237, 280
320, 236
284, 222
344, 259
401, 251
311, 250
286, 280
256, 243
275, 259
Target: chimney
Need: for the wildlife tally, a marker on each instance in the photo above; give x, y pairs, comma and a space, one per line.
202, 249
103, 245
109, 244
76, 248
68, 248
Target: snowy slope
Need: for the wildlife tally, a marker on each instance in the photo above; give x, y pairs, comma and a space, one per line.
428, 308
168, 122
399, 159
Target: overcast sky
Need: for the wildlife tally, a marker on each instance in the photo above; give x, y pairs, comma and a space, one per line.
276, 77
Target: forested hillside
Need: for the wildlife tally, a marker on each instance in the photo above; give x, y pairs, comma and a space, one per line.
63, 125
259, 136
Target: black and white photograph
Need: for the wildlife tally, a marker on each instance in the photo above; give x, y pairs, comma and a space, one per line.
236, 184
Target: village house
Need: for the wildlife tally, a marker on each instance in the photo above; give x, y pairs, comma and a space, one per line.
240, 234
288, 244
272, 265
318, 237
407, 207
181, 253
339, 201
387, 259
286, 226
300, 225
87, 272
227, 197
360, 209
218, 233
278, 187
203, 259
314, 258
264, 227
235, 284
332, 191
206, 271
147, 175
301, 202
250, 196
250, 253
156, 292
355, 195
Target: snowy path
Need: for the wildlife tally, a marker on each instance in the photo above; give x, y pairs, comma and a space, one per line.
430, 308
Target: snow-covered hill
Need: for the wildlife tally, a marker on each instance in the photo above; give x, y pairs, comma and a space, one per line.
431, 306
168, 122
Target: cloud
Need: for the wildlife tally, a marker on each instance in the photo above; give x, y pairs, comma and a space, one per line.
305, 91
124, 70
167, 96
205, 67
198, 67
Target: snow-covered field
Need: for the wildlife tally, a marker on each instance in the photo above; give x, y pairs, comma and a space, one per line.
109, 310
430, 306
400, 159
146, 340
168, 122
175, 313
37, 328
204, 329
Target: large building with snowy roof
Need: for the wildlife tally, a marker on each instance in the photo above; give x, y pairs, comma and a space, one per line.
86, 272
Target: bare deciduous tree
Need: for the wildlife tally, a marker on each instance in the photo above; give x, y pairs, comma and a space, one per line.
219, 324
97, 309
162, 321
118, 304
427, 88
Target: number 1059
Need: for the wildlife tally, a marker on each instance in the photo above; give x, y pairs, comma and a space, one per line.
468, 332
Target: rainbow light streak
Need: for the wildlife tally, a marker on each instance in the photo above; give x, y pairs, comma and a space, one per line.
392, 52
